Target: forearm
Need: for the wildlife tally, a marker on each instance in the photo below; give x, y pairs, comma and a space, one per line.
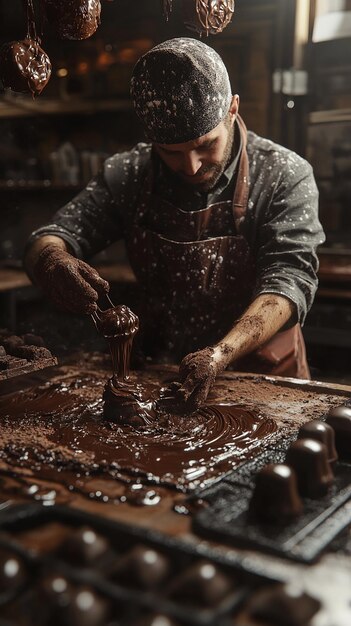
36, 248
265, 316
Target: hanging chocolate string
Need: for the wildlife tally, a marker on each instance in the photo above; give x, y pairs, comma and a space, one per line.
31, 26
167, 8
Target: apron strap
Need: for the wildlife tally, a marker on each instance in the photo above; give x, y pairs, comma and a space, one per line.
241, 193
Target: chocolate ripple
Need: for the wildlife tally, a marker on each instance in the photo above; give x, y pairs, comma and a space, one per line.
62, 426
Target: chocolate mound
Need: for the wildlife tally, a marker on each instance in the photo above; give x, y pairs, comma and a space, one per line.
127, 404
207, 16
74, 19
24, 66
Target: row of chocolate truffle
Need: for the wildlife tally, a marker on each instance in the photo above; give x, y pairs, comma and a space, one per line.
308, 471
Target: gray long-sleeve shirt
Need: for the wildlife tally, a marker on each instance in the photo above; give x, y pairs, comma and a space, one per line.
281, 223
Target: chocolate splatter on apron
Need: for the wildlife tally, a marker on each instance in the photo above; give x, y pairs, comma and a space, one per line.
197, 276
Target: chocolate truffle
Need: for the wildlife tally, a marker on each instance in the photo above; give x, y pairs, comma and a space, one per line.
339, 418
283, 604
83, 547
122, 406
55, 590
12, 571
24, 66
74, 19
309, 458
207, 16
142, 567
85, 608
275, 497
201, 585
320, 431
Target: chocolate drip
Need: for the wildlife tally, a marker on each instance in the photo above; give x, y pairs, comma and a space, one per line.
208, 16
118, 325
123, 400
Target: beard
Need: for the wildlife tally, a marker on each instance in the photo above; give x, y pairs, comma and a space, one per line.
216, 169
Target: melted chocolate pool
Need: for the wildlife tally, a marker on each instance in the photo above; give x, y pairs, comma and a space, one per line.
58, 427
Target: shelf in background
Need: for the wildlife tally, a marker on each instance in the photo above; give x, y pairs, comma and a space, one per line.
327, 117
26, 107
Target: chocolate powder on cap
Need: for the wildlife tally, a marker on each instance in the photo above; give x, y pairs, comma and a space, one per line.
180, 90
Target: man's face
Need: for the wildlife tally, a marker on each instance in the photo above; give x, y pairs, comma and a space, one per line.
200, 163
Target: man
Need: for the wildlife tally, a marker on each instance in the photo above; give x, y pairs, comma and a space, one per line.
220, 225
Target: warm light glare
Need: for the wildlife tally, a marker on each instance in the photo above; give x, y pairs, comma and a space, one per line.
62, 72
82, 67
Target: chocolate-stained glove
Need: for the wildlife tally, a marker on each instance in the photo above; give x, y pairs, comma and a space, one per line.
70, 284
197, 371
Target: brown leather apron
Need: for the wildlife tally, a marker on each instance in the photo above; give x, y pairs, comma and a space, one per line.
197, 275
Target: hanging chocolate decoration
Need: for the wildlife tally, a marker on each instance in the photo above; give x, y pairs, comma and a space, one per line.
24, 66
207, 16
166, 6
73, 19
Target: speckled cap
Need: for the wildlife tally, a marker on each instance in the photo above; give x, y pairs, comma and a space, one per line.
180, 90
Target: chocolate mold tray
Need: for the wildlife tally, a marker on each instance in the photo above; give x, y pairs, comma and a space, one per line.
226, 517
22, 355
169, 598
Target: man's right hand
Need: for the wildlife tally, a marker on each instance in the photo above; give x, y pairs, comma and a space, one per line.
71, 284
